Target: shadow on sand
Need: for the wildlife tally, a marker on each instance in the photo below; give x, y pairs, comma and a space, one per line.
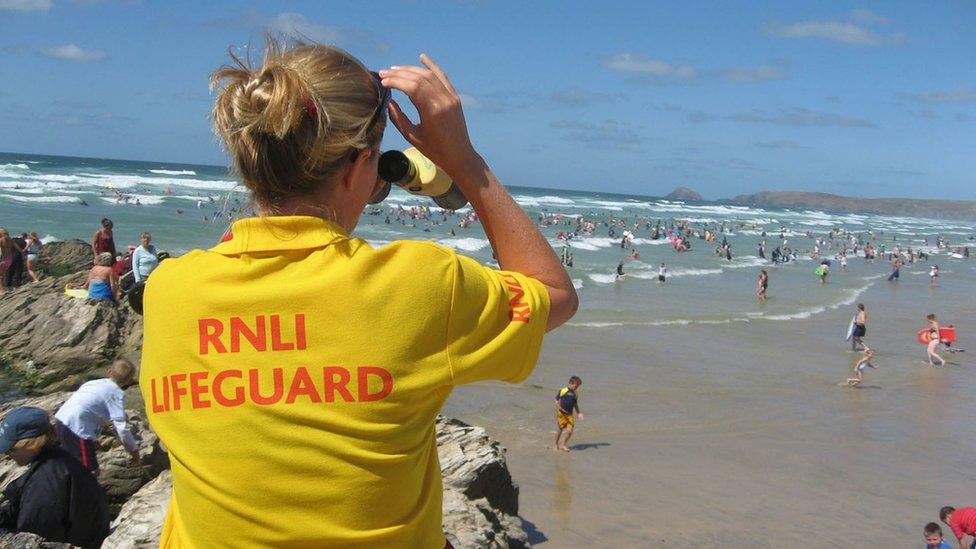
535, 536
588, 445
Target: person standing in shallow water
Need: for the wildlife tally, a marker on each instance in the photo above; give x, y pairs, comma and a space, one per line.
763, 284
860, 328
261, 367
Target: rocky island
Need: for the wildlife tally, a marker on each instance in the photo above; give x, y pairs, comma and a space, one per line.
51, 343
683, 194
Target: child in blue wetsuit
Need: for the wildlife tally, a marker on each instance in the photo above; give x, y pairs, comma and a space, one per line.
933, 537
566, 405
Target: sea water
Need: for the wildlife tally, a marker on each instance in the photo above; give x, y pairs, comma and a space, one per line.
713, 417
187, 206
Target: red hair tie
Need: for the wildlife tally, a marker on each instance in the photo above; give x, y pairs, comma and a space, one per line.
311, 108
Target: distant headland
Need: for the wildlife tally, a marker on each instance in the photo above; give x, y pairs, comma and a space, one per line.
914, 207
910, 207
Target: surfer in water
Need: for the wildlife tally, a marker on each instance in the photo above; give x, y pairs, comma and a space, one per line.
859, 328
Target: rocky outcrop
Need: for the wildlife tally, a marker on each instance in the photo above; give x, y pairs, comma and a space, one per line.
480, 500
683, 193
54, 342
65, 257
120, 478
140, 522
26, 540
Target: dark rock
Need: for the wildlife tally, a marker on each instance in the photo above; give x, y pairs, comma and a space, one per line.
117, 475
26, 540
480, 499
683, 193
140, 522
55, 342
65, 257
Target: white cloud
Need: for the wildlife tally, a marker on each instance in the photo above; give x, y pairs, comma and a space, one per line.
72, 52
25, 5
296, 23
947, 96
291, 24
832, 31
473, 103
632, 62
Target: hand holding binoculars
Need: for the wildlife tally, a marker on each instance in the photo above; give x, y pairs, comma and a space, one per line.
416, 174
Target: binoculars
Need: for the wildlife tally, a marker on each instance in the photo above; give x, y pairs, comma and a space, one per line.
414, 173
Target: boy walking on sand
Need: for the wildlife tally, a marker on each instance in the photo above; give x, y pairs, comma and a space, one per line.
566, 404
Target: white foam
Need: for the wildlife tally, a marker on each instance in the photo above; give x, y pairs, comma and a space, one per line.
603, 278
694, 272
174, 172
14, 167
466, 244
745, 262
17, 198
578, 283
806, 313
144, 200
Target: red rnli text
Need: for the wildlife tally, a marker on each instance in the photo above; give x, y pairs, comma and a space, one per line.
518, 309
263, 333
265, 387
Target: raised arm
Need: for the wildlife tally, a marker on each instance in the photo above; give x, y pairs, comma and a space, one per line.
442, 136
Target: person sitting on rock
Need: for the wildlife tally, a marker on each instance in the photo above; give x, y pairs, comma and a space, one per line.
95, 404
102, 283
56, 498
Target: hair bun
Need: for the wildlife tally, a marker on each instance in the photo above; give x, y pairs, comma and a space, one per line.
267, 102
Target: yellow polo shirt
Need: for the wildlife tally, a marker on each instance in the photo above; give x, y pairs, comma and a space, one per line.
294, 372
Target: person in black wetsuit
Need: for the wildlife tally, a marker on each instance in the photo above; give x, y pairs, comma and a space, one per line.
57, 498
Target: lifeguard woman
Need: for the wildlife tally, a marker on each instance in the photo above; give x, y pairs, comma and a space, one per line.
293, 371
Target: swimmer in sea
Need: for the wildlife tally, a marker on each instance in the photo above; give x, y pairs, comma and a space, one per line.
763, 284
859, 366
933, 274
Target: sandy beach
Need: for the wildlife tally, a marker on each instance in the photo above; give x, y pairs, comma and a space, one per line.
743, 434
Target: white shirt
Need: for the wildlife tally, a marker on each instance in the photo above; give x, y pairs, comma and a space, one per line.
92, 407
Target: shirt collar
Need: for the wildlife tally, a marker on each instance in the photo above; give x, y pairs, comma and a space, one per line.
261, 234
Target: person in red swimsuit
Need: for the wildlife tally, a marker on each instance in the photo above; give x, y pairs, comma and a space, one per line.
103, 240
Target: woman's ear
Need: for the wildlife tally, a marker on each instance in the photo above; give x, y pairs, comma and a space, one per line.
357, 168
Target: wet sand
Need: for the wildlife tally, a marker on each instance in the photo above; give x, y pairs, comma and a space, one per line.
744, 434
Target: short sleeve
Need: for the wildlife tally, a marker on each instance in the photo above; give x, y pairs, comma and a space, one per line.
496, 324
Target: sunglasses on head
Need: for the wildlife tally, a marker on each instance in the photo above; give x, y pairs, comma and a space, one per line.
383, 93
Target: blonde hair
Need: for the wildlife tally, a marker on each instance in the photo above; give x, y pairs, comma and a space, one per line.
292, 123
122, 372
4, 233
35, 444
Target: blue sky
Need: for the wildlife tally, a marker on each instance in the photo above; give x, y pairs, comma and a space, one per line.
867, 99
